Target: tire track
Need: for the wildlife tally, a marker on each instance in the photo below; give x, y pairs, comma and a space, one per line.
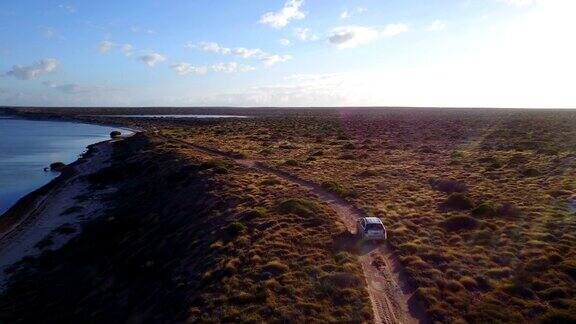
391, 295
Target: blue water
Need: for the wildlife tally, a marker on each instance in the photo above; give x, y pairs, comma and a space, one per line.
28, 146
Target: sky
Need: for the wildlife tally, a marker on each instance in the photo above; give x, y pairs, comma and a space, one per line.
442, 53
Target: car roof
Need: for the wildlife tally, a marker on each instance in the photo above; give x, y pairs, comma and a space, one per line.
372, 220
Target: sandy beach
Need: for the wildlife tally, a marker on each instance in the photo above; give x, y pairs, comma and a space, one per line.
57, 214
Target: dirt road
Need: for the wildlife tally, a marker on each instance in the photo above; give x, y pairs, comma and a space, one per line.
392, 297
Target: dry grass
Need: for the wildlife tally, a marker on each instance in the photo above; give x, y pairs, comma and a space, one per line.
478, 202
190, 238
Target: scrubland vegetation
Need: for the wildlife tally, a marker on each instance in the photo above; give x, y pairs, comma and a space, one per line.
479, 203
193, 238
480, 206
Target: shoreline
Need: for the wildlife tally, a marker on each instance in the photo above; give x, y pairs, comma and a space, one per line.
50, 216
66, 119
29, 202
23, 203
38, 215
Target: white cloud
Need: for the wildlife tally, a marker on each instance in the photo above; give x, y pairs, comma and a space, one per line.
69, 8
187, 68
305, 34
230, 67
352, 36
394, 30
270, 60
285, 42
213, 47
298, 90
246, 53
74, 88
105, 46
127, 49
35, 70
349, 13
436, 25
50, 33
138, 29
152, 59
519, 3
281, 18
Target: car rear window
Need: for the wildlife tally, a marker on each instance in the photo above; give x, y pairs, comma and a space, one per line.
374, 227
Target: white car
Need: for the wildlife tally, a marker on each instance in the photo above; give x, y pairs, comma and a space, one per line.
371, 229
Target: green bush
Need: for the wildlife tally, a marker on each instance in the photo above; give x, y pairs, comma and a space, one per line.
57, 166
235, 229
115, 134
458, 223
459, 201
485, 209
300, 207
447, 185
218, 165
336, 188
368, 173
291, 163
508, 210
254, 213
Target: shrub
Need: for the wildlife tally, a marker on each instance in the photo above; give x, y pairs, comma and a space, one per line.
447, 185
235, 229
508, 210
255, 213
554, 293
72, 210
288, 146
115, 134
341, 280
336, 188
520, 289
291, 163
569, 267
275, 267
368, 173
556, 316
347, 156
485, 209
44, 243
530, 172
458, 223
300, 207
57, 166
469, 283
459, 201
220, 166
65, 229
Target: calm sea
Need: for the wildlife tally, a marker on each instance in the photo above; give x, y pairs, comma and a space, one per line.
27, 147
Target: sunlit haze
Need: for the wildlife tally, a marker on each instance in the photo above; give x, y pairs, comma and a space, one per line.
459, 53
